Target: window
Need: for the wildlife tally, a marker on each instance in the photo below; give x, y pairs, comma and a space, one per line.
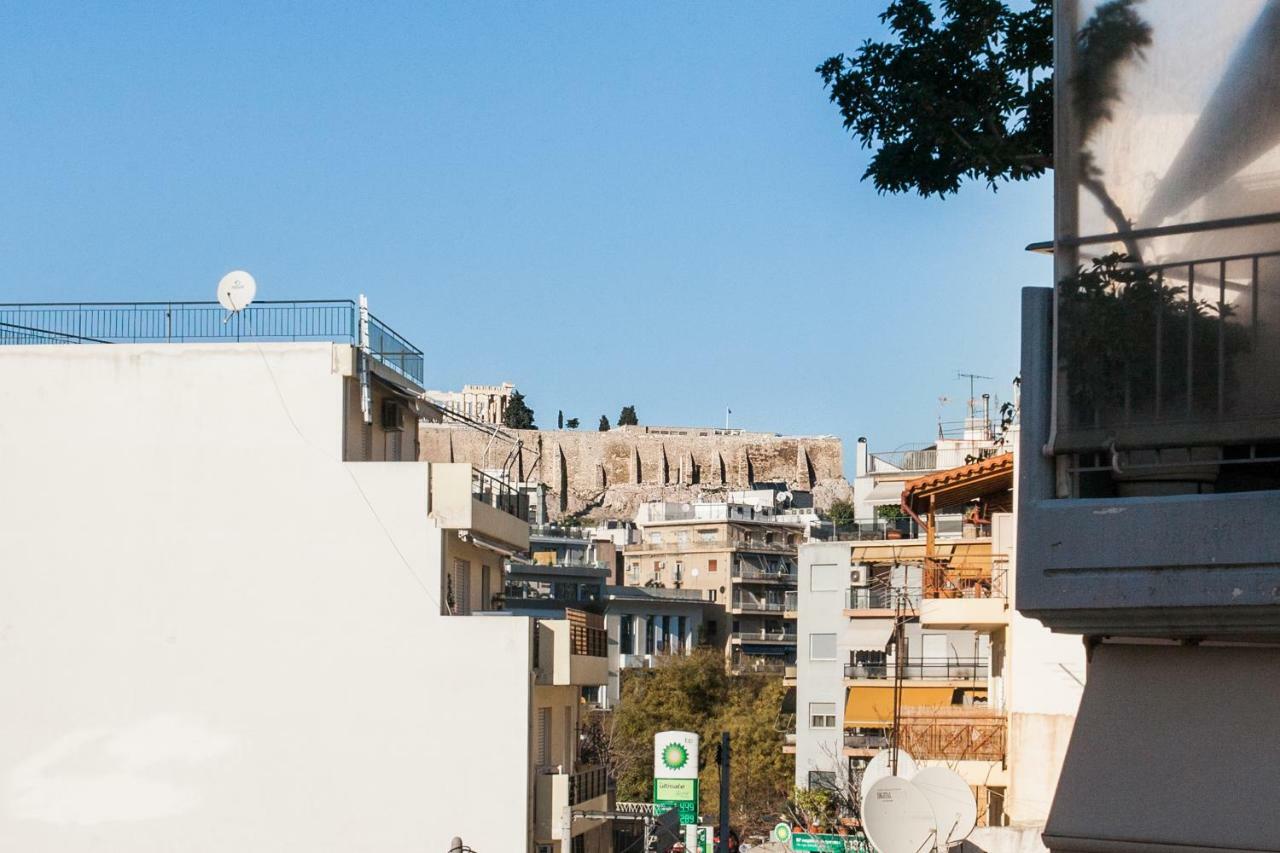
664, 639
542, 742
822, 779
655, 538
707, 535
682, 537
711, 565
648, 634
822, 715
680, 629
822, 647
627, 635
486, 588
633, 571
827, 578
462, 587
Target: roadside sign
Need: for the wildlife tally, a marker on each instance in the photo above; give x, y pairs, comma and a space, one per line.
810, 842
675, 774
782, 833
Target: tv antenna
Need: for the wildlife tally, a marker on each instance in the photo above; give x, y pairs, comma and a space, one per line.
972, 377
235, 292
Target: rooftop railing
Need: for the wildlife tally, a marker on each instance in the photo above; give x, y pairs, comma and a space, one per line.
587, 784
498, 494
190, 322
902, 460
880, 598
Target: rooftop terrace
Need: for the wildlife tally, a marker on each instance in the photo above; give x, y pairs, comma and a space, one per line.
337, 320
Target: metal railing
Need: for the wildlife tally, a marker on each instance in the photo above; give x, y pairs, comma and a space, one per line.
592, 642
879, 528
860, 741
185, 322
587, 784
879, 598
903, 460
758, 605
747, 664
763, 636
498, 494
751, 573
953, 584
926, 669
954, 734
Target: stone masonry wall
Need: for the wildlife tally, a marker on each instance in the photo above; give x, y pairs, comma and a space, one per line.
608, 474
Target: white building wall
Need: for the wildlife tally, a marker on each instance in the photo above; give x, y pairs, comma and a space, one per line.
821, 611
216, 636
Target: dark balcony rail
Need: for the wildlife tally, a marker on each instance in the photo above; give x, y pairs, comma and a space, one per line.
186, 322
754, 573
587, 634
880, 528
1170, 355
927, 669
759, 605
860, 741
587, 784
903, 460
498, 494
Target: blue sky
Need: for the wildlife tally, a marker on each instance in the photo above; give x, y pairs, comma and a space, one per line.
651, 204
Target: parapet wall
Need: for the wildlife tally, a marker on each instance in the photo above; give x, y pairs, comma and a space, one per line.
608, 474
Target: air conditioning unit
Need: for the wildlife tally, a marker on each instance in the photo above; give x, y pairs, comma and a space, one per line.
859, 576
391, 420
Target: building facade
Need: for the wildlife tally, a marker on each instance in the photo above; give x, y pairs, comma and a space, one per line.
741, 557
262, 602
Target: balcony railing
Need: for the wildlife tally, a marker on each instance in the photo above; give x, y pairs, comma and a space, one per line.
498, 494
587, 784
926, 669
587, 635
952, 583
758, 664
751, 573
859, 741
954, 734
791, 601
903, 460
758, 605
880, 598
764, 636
879, 528
179, 322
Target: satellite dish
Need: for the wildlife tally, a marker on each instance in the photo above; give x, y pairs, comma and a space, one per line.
881, 767
236, 290
897, 817
954, 807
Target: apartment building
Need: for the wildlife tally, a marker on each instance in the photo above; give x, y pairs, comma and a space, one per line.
237, 610
742, 557
647, 623
1148, 489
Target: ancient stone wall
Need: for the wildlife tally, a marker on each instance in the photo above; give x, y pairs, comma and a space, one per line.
608, 474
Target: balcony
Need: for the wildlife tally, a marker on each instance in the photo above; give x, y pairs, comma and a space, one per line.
791, 603
925, 459
758, 665
336, 320
864, 744
784, 637
751, 604
752, 574
967, 733
923, 669
572, 651
880, 599
554, 792
979, 605
470, 501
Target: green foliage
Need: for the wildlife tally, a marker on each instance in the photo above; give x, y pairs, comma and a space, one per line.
694, 693
604, 424
517, 415
965, 96
572, 423
841, 513
560, 419
889, 511
628, 416
814, 806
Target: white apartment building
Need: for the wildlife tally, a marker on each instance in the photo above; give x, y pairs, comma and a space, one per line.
647, 623
231, 608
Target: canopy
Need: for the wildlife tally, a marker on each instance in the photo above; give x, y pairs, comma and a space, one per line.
956, 486
872, 707
868, 634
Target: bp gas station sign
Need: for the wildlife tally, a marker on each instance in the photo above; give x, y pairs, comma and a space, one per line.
675, 774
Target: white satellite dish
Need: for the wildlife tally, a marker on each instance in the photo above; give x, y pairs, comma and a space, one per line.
954, 808
897, 817
236, 290
881, 767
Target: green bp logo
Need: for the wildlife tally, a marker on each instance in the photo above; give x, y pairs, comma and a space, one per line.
675, 756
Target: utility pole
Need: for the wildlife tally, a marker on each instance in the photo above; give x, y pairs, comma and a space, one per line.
723, 758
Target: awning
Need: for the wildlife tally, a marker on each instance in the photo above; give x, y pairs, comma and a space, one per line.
885, 492
872, 707
870, 635
485, 542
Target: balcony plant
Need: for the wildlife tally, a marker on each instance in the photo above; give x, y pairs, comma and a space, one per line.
1123, 327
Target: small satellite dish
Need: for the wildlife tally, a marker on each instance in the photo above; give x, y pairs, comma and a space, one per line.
897, 817
954, 808
881, 767
236, 290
